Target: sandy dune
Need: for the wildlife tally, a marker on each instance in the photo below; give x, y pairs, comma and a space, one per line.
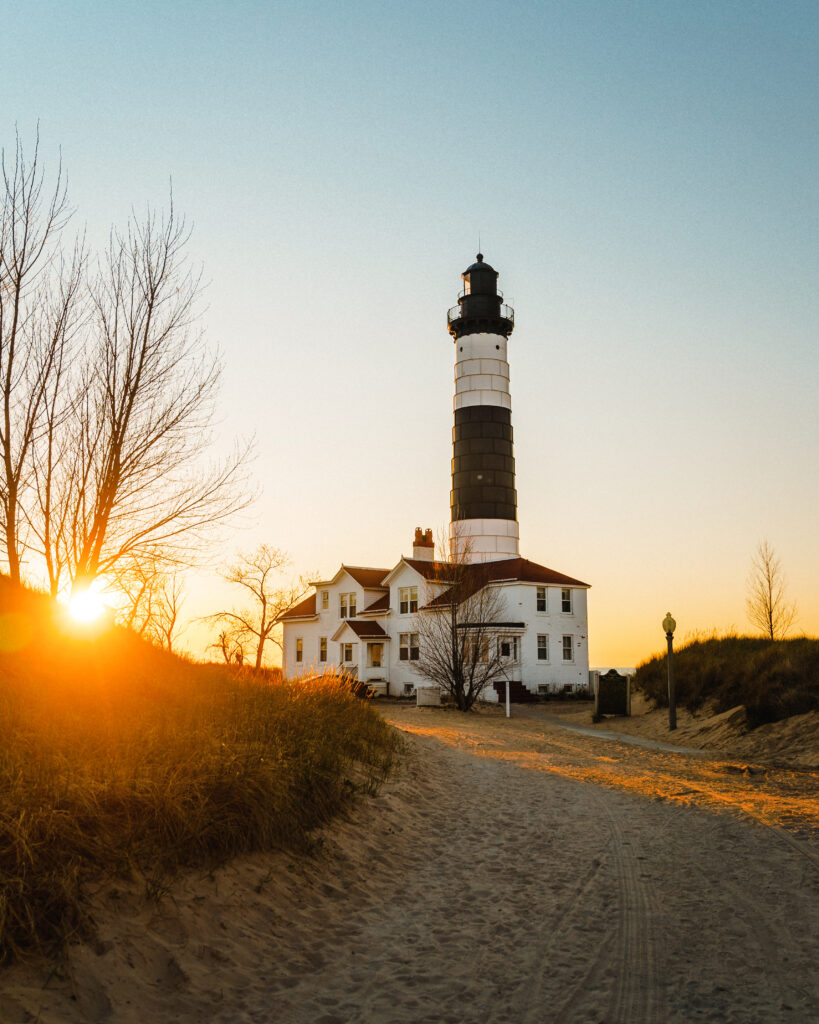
512, 873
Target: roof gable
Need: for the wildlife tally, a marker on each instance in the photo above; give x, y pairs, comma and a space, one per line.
304, 609
436, 571
370, 579
379, 607
365, 576
369, 630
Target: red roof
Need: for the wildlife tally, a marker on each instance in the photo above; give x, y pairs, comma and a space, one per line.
530, 572
366, 630
479, 574
381, 605
371, 579
431, 570
301, 610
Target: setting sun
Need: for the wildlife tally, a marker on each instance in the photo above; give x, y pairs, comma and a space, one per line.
87, 606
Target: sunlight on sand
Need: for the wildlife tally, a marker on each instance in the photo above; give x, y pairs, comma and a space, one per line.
771, 796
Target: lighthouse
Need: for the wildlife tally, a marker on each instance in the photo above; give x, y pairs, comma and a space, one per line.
483, 500
370, 622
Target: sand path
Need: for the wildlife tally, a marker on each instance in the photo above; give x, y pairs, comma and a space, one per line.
512, 873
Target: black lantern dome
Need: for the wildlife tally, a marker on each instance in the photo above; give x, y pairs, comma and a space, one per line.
480, 308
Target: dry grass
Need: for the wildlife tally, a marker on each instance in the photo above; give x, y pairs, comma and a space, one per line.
773, 679
118, 759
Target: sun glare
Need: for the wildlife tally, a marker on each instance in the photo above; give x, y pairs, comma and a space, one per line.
87, 606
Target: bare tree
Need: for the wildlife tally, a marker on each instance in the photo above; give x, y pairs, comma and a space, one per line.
460, 631
230, 646
37, 317
767, 604
142, 414
150, 595
254, 625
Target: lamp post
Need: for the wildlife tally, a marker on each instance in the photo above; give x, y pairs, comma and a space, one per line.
669, 625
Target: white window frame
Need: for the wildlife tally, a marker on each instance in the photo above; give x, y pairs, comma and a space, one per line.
570, 638
322, 648
407, 600
346, 653
544, 599
564, 600
408, 647
299, 649
347, 605
325, 600
544, 637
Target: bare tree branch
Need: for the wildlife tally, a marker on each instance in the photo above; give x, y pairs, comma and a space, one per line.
150, 594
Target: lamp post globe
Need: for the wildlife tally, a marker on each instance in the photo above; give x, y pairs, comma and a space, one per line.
669, 625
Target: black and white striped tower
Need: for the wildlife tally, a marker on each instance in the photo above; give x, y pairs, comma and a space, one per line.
483, 499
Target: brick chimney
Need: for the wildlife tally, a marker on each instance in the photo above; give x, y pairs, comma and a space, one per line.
423, 547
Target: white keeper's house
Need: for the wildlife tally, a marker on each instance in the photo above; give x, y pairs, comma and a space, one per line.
364, 619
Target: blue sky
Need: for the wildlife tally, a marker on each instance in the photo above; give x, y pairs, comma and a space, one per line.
643, 175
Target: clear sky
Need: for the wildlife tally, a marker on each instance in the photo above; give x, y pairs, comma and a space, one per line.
642, 173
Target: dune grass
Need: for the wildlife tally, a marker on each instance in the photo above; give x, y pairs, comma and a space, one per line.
773, 679
119, 760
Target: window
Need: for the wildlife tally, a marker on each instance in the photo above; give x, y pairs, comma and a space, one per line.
568, 648
325, 600
565, 600
375, 653
408, 646
409, 689
476, 649
346, 606
543, 647
346, 653
408, 600
322, 648
509, 648
541, 599
299, 649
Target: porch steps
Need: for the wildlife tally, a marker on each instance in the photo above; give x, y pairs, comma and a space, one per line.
518, 694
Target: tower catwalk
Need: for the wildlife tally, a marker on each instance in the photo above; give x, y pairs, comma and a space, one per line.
483, 499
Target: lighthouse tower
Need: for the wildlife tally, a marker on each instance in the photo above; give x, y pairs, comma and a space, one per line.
483, 499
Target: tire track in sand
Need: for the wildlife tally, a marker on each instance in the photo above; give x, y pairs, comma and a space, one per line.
626, 964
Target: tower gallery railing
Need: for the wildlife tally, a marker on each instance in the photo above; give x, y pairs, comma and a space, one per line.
506, 313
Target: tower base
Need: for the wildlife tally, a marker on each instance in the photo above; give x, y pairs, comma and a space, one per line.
484, 540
